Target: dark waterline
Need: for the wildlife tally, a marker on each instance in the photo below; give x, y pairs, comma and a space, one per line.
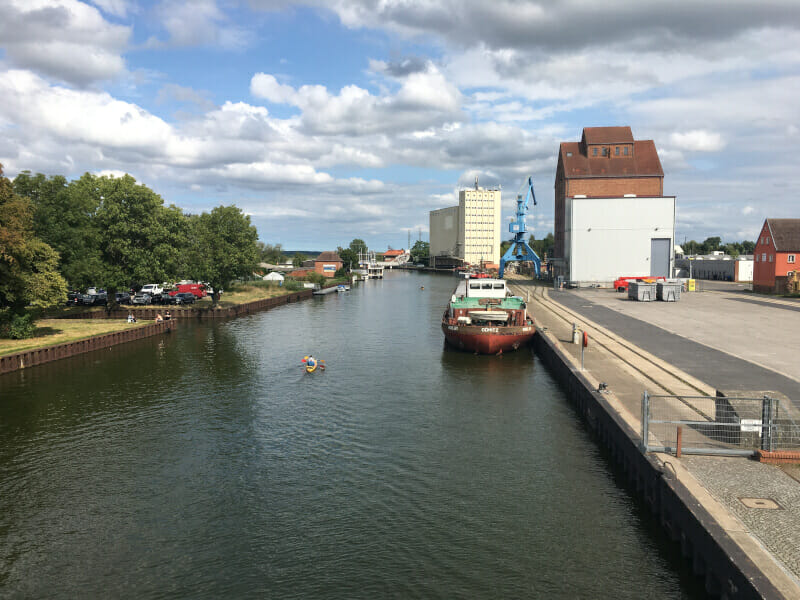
207, 464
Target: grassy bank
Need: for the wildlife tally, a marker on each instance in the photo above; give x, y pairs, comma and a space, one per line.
59, 331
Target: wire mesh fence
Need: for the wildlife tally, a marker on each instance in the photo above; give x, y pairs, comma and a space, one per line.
718, 424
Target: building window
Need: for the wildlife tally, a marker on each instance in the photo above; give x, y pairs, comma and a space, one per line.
790, 258
625, 151
594, 151
569, 153
770, 258
616, 151
763, 257
605, 151
767, 240
756, 257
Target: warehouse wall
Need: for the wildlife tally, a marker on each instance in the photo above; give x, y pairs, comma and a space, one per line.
610, 237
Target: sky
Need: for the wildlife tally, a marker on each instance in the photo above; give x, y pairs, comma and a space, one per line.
339, 119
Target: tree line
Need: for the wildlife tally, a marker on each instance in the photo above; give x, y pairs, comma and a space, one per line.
112, 232
714, 244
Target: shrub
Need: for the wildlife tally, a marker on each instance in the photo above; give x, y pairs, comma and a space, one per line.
16, 327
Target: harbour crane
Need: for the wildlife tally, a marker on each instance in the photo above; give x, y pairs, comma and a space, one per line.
520, 250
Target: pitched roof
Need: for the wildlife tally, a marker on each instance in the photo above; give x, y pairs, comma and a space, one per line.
329, 257
607, 135
393, 252
786, 234
643, 163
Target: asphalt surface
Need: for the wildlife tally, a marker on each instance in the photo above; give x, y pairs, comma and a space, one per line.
717, 368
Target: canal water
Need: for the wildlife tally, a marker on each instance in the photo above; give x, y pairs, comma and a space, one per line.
207, 464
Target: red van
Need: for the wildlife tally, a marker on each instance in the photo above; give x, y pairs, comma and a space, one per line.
621, 284
198, 289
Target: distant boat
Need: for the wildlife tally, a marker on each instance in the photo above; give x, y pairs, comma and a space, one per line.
482, 317
343, 287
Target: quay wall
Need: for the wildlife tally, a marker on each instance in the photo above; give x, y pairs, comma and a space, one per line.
40, 356
727, 571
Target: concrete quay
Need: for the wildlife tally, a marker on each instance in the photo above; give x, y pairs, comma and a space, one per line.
742, 551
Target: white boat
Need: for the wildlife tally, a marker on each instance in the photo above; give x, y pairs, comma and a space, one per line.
342, 287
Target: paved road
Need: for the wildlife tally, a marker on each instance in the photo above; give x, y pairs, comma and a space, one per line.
716, 368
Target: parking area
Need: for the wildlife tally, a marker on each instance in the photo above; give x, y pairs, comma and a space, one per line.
728, 337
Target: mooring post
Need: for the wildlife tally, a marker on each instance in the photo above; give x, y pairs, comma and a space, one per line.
645, 416
679, 443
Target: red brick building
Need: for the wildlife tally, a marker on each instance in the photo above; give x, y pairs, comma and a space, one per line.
776, 254
328, 263
606, 163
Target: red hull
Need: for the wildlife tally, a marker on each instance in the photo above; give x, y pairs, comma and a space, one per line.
487, 340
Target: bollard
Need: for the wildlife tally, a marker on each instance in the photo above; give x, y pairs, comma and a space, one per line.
679, 444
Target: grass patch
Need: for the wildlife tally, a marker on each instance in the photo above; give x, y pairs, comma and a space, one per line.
59, 331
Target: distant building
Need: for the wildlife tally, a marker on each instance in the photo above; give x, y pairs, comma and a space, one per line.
328, 263
391, 254
469, 232
611, 217
776, 253
716, 266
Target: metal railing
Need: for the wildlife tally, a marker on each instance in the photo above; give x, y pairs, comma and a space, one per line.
717, 425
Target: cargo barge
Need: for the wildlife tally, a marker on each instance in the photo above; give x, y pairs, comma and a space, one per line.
483, 317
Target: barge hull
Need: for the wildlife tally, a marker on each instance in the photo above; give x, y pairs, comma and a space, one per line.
487, 340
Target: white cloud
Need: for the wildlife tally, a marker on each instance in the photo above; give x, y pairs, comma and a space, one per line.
748, 210
697, 140
424, 98
200, 23
63, 39
117, 8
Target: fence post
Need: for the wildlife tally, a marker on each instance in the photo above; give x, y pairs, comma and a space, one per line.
645, 416
767, 424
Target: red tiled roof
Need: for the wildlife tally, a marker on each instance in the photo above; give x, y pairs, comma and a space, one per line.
393, 253
328, 257
643, 163
299, 273
786, 234
607, 135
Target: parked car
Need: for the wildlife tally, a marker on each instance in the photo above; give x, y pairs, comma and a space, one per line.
185, 298
142, 298
198, 289
73, 298
152, 289
168, 298
123, 297
94, 299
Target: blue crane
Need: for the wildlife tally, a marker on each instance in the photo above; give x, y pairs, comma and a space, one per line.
519, 249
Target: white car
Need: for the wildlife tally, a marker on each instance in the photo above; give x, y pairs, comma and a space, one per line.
152, 289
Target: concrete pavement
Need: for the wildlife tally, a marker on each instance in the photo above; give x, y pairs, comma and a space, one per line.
667, 362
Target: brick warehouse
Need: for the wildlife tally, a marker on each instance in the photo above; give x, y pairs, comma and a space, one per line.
611, 217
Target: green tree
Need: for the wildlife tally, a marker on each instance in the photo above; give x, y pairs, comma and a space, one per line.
691, 247
227, 247
139, 237
420, 251
28, 266
358, 245
711, 244
64, 219
272, 254
542, 247
349, 258
731, 250
298, 259
748, 247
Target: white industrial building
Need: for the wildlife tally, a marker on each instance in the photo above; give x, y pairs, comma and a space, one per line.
605, 238
717, 266
469, 231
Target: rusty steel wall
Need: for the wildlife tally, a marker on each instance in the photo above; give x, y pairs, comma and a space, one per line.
39, 356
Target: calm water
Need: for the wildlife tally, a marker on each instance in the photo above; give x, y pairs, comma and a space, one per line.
207, 464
